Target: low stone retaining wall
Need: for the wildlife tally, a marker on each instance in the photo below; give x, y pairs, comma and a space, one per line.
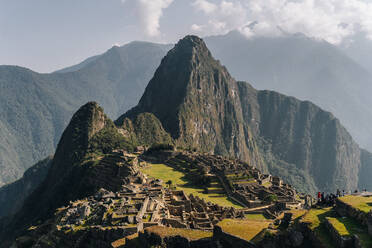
340, 241
344, 209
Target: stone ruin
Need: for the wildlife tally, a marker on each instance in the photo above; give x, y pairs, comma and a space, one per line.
243, 183
143, 202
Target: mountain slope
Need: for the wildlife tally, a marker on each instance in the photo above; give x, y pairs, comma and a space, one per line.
74, 172
36, 107
13, 195
305, 68
196, 100
200, 105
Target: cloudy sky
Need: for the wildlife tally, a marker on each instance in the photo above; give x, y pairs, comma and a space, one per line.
46, 35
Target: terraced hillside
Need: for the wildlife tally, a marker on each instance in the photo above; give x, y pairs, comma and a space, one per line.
346, 224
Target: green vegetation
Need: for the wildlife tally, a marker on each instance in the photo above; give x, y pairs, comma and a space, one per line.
255, 217
315, 219
190, 234
108, 139
180, 181
146, 129
38, 106
271, 198
359, 202
347, 227
159, 147
245, 229
339, 226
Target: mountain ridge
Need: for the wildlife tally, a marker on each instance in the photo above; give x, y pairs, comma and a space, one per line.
301, 136
37, 106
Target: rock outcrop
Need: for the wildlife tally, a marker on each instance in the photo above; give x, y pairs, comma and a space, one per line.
75, 169
197, 103
201, 106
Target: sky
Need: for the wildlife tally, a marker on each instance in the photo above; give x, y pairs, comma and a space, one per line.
47, 35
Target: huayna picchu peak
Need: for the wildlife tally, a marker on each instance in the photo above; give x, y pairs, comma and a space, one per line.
197, 102
201, 106
203, 160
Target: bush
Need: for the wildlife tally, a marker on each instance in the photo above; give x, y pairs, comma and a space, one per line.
160, 147
271, 198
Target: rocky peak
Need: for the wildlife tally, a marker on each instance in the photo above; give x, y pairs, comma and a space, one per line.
196, 101
85, 123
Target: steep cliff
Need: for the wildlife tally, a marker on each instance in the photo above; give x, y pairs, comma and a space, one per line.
317, 151
197, 102
201, 106
365, 172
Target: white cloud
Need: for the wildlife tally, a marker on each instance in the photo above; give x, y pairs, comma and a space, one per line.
204, 6
332, 20
222, 17
149, 13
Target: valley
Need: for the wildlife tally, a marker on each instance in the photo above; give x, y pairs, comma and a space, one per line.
202, 160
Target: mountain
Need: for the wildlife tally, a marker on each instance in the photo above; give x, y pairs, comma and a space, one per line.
36, 107
78, 168
196, 101
193, 102
201, 106
359, 49
13, 195
305, 68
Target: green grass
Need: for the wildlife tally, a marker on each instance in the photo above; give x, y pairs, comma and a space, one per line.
179, 180
245, 229
183, 232
315, 219
338, 226
255, 217
359, 202
346, 227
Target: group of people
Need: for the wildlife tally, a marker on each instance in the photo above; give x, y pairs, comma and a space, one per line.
330, 199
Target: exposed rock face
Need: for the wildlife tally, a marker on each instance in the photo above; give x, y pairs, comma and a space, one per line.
200, 105
365, 172
197, 102
13, 195
306, 68
320, 150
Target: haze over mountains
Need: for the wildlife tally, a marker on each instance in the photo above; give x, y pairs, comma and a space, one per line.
193, 100
305, 68
37, 107
200, 105
32, 123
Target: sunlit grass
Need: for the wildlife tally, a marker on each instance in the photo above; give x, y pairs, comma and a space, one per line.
359, 202
346, 226
245, 229
190, 234
178, 178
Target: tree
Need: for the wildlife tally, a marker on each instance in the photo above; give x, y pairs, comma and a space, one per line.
169, 183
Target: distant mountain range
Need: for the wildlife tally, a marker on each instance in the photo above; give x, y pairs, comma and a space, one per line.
201, 106
36, 107
193, 102
305, 68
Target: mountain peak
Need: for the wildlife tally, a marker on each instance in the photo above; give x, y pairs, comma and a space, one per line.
191, 41
187, 67
193, 95
86, 122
